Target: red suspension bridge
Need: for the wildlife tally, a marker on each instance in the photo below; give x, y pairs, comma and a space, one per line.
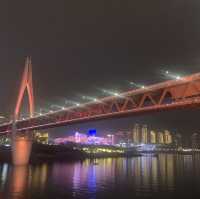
174, 94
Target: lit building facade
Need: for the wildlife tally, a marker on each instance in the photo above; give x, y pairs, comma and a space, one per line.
85, 139
41, 137
167, 137
141, 135
138, 137
160, 137
144, 134
136, 134
152, 137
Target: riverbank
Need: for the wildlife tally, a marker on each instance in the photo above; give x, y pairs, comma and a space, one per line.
50, 153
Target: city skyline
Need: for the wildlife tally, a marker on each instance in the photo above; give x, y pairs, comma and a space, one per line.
157, 121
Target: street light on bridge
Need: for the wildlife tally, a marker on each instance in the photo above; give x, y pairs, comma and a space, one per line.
137, 85
113, 93
172, 76
90, 98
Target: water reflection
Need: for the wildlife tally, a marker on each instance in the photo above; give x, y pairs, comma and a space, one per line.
18, 183
3, 175
38, 177
110, 177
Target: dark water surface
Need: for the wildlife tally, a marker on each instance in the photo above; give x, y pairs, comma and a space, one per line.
165, 176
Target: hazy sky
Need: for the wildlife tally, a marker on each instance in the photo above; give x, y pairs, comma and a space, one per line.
79, 47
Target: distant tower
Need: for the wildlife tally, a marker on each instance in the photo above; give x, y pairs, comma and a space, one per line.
160, 138
144, 134
152, 137
136, 134
167, 137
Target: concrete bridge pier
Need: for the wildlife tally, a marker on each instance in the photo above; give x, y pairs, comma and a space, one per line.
21, 150
21, 147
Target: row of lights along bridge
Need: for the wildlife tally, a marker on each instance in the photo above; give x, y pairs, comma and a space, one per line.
45, 112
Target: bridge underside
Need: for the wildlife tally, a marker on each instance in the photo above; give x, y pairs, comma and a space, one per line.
170, 95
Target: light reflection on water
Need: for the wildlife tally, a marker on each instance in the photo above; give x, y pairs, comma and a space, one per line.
146, 176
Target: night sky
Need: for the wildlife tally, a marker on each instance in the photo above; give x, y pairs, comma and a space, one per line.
79, 47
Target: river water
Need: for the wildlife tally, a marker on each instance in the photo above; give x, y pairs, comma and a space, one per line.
163, 176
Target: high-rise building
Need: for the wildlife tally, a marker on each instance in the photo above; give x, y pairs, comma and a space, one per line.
136, 134
160, 138
152, 137
167, 137
144, 134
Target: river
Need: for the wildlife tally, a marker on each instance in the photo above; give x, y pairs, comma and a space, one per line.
163, 176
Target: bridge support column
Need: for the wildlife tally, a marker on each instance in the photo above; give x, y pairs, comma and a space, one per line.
21, 146
21, 149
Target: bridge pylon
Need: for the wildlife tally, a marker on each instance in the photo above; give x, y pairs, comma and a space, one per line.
22, 143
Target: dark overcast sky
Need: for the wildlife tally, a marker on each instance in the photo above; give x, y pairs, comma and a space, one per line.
79, 46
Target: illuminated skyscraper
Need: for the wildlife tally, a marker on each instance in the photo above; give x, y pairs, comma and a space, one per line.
136, 134
160, 137
167, 137
144, 134
152, 137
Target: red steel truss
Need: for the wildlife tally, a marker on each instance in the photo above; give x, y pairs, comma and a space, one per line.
174, 94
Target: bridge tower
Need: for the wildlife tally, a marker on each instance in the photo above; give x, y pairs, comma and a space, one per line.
22, 143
